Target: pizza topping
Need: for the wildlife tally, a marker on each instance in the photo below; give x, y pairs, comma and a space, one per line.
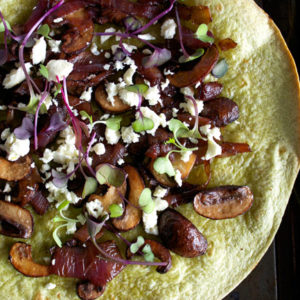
223, 202
154, 114
227, 44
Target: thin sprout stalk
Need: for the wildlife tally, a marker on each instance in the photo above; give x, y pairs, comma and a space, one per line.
180, 33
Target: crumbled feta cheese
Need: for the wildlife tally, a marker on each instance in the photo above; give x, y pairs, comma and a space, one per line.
54, 45
129, 136
128, 75
146, 37
94, 49
107, 55
185, 156
7, 188
50, 285
150, 220
16, 148
99, 149
59, 67
7, 198
3, 107
168, 72
112, 136
106, 67
47, 156
178, 178
60, 194
38, 54
129, 48
53, 262
87, 94
174, 112
16, 76
47, 102
158, 120
45, 168
213, 148
190, 108
71, 228
58, 20
197, 84
105, 38
119, 65
160, 192
165, 84
112, 91
168, 29
129, 98
95, 208
120, 161
5, 134
152, 95
187, 91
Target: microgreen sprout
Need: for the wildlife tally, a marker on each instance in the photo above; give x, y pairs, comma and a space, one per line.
110, 175
44, 71
44, 30
116, 210
136, 246
196, 55
201, 34
69, 223
60, 180
3, 25
146, 202
25, 131
90, 186
85, 115
142, 124
148, 254
185, 54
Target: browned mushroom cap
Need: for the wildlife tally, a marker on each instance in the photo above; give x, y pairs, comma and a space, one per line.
132, 216
118, 106
21, 258
223, 202
82, 234
184, 167
15, 221
14, 170
112, 196
88, 291
159, 251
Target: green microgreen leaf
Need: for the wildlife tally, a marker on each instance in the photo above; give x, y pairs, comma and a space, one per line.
134, 248
197, 54
32, 106
63, 205
138, 88
146, 202
114, 123
84, 115
44, 71
58, 87
56, 237
163, 165
90, 186
148, 254
142, 124
201, 34
116, 211
58, 219
111, 175
178, 128
44, 30
2, 27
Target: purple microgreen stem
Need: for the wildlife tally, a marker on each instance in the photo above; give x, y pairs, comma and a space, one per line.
180, 33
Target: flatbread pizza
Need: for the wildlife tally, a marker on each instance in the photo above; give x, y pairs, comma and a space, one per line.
180, 117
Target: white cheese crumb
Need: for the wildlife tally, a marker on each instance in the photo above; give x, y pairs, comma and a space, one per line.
129, 136
158, 120
185, 156
105, 38
87, 94
7, 188
94, 49
165, 84
54, 45
53, 262
168, 29
112, 91
174, 112
95, 208
58, 20
160, 192
38, 54
120, 161
16, 148
128, 75
5, 134
152, 95
190, 108
129, 48
213, 149
3, 107
16, 76
146, 37
50, 286
99, 148
47, 156
168, 72
59, 67
129, 98
178, 178
106, 67
112, 136
7, 198
60, 194
107, 55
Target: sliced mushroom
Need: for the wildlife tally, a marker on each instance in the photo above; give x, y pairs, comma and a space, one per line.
223, 202
184, 167
159, 251
180, 235
88, 291
15, 221
112, 196
14, 170
132, 216
117, 107
21, 258
82, 234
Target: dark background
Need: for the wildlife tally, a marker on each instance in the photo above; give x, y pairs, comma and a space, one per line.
277, 276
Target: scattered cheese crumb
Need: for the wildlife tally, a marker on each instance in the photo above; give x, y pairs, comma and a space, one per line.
95, 208
16, 76
50, 286
105, 38
112, 136
99, 148
129, 136
153, 95
178, 178
59, 67
16, 148
214, 148
168, 29
54, 45
38, 54
87, 94
94, 49
146, 37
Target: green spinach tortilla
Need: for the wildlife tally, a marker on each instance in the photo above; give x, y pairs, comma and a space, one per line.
263, 81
